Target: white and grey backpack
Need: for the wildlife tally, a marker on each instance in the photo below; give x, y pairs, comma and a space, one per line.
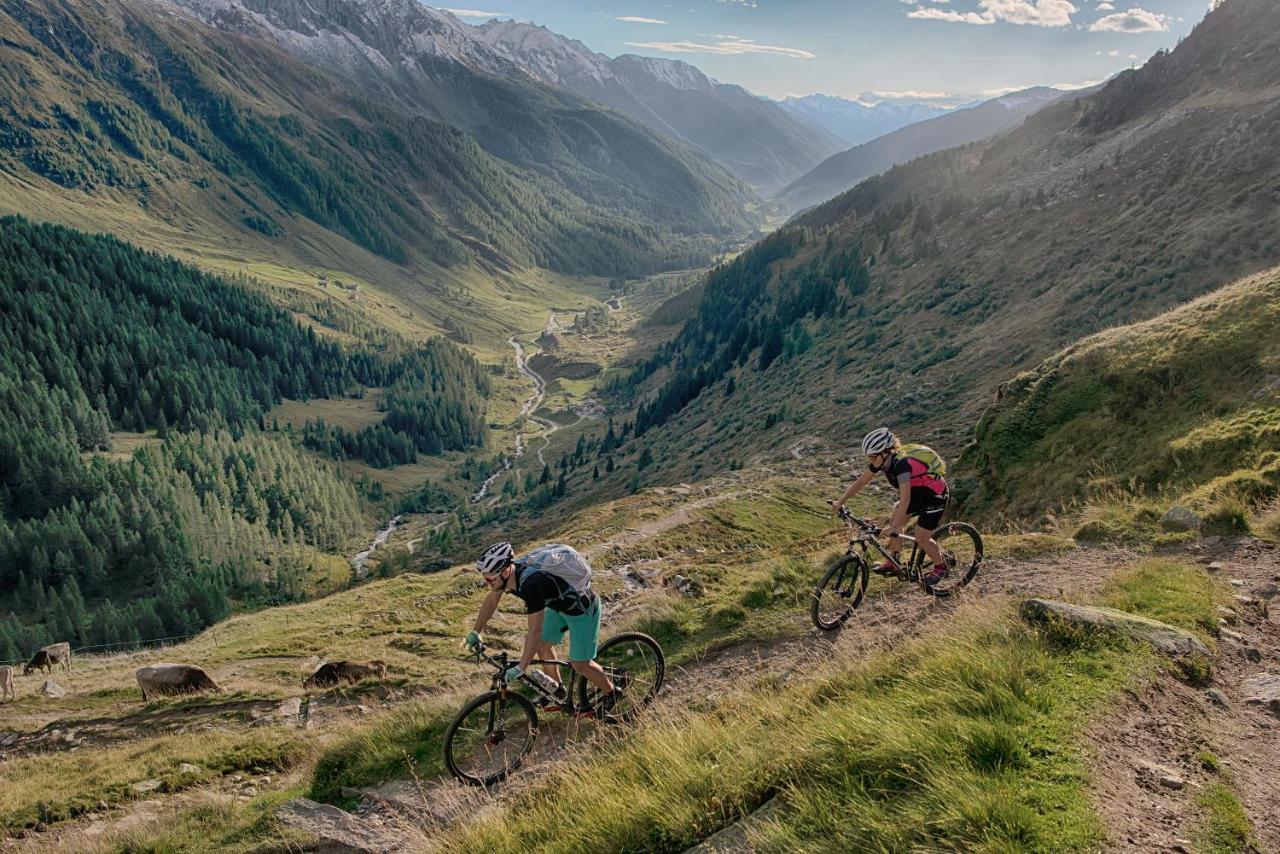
565, 564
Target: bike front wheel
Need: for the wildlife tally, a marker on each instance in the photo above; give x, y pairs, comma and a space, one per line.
840, 591
961, 546
490, 737
635, 665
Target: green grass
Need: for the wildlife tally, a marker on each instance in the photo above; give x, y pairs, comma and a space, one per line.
405, 743
1176, 408
1224, 826
227, 828
45, 789
1172, 592
969, 739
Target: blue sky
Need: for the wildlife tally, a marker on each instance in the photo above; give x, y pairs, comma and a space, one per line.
852, 47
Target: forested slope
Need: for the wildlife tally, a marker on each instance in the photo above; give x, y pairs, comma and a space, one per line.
99, 336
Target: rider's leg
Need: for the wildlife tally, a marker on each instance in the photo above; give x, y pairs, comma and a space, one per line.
593, 673
925, 538
554, 626
895, 543
547, 651
584, 638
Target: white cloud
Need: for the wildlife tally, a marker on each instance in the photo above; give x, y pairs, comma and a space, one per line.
727, 47
1136, 20
475, 13
1003, 90
635, 19
1036, 13
928, 13
1106, 7
909, 95
1080, 84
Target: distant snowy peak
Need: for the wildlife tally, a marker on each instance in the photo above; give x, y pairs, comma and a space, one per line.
344, 32
856, 121
560, 60
548, 56
673, 72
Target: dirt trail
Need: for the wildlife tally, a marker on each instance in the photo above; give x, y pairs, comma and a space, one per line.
422, 809
1168, 728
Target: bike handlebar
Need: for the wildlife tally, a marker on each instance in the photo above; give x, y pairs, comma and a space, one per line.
853, 521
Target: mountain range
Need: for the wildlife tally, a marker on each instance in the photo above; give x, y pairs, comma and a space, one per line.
856, 122
252, 119
958, 127
754, 138
908, 299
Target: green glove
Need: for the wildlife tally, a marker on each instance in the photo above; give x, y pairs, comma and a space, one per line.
513, 673
473, 641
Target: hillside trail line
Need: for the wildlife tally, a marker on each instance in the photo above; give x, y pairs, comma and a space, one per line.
891, 616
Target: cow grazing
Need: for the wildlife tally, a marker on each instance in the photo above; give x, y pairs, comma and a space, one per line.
333, 672
6, 683
47, 657
165, 680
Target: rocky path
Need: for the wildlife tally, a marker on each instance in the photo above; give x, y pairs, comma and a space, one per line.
1168, 744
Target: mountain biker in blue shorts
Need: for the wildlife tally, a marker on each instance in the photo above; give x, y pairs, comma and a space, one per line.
917, 472
554, 583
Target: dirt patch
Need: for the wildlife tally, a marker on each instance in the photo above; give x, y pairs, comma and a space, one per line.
1168, 733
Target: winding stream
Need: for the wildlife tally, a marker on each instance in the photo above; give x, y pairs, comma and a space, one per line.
526, 410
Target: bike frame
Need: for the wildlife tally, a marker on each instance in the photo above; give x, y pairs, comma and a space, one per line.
502, 662
869, 536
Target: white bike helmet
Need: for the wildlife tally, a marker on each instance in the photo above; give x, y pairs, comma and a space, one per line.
495, 558
877, 441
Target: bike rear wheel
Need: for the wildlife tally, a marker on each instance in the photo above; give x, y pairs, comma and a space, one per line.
840, 591
961, 546
635, 665
490, 737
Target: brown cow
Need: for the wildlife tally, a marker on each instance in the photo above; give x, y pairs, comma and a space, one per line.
333, 672
162, 680
47, 657
6, 683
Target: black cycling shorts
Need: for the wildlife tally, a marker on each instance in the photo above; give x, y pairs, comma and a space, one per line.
927, 506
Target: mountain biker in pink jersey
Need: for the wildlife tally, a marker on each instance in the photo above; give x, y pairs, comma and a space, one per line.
917, 473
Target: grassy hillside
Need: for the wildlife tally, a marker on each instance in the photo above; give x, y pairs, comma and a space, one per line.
909, 299
119, 101
1184, 405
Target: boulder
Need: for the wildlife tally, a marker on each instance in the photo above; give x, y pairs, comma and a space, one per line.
53, 689
1165, 638
339, 832
1179, 518
1218, 698
188, 768
1264, 690
145, 786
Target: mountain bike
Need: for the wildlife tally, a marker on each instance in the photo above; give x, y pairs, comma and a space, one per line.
494, 733
845, 583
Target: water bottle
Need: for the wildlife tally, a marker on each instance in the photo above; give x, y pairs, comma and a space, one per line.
545, 682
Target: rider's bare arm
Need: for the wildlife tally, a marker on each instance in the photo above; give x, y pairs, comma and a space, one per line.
532, 640
487, 607
855, 487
